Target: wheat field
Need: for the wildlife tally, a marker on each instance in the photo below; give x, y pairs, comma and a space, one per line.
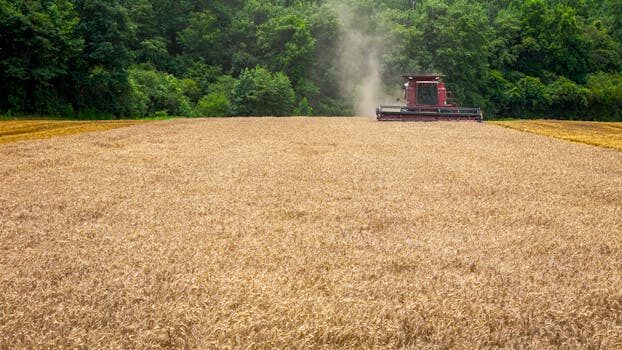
309, 233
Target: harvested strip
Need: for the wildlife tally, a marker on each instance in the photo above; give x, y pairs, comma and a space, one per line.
20, 130
592, 133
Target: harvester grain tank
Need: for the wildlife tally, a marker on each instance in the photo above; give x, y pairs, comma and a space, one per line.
427, 99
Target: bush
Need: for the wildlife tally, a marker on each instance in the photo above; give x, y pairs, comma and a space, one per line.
605, 99
138, 100
304, 108
153, 91
529, 97
567, 99
224, 84
191, 89
259, 92
48, 102
332, 107
215, 104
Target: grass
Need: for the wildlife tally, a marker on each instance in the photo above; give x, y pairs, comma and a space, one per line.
21, 130
601, 134
309, 233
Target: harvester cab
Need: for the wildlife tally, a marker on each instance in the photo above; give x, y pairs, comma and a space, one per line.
427, 99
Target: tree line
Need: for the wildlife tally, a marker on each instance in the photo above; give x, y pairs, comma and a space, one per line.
137, 58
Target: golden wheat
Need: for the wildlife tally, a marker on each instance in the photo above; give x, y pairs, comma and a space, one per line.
310, 233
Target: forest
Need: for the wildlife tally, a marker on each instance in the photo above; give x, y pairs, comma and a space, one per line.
559, 59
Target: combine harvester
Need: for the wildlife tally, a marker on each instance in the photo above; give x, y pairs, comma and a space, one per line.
427, 100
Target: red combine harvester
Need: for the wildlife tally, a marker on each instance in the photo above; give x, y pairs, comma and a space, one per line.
426, 100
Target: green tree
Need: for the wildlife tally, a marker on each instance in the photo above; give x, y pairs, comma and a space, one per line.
322, 75
202, 37
501, 93
455, 40
604, 52
38, 41
551, 41
612, 14
510, 57
506, 45
101, 72
286, 45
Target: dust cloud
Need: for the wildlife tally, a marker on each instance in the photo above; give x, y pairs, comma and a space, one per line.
360, 61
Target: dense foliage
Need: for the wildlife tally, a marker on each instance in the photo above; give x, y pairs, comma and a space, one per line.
527, 58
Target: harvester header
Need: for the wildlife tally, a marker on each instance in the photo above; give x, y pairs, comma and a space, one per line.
427, 99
